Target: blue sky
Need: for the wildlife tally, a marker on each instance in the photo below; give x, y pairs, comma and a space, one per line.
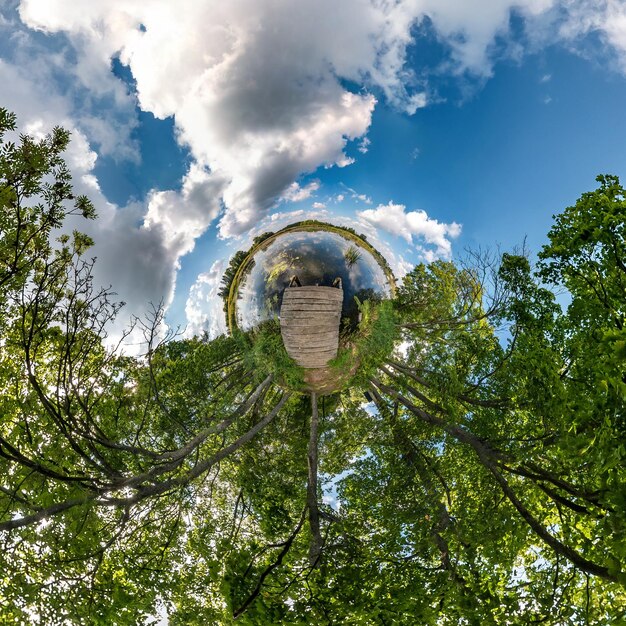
431, 126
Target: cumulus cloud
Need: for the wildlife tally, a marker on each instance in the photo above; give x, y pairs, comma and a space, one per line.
258, 91
254, 87
182, 216
257, 88
204, 307
296, 193
414, 225
138, 247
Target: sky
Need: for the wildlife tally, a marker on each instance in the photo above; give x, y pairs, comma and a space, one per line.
431, 126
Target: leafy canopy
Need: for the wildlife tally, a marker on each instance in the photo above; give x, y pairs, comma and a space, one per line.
471, 473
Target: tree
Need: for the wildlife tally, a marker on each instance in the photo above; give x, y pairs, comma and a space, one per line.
91, 441
470, 472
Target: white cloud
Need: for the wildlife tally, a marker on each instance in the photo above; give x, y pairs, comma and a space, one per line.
607, 19
319, 205
355, 195
296, 193
183, 216
470, 28
403, 267
255, 86
364, 145
412, 225
204, 307
414, 102
139, 246
614, 25
51, 71
258, 92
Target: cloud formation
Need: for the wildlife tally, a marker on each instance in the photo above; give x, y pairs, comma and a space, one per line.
256, 88
412, 226
204, 307
138, 246
606, 19
296, 193
66, 89
263, 92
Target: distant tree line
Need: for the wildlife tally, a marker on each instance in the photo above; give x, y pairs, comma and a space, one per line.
234, 264
240, 256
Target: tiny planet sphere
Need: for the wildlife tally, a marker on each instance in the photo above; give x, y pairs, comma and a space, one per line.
316, 257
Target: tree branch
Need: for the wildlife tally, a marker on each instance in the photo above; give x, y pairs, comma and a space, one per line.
488, 458
268, 570
315, 547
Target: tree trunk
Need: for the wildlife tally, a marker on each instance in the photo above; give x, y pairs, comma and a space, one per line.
314, 519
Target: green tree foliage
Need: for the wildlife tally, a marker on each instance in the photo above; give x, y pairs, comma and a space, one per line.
263, 351
229, 274
472, 473
235, 263
34, 190
101, 456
